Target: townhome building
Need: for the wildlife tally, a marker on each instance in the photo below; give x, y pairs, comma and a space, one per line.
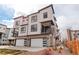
6, 35
3, 34
11, 38
38, 29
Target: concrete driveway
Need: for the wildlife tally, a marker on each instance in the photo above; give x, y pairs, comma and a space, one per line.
23, 48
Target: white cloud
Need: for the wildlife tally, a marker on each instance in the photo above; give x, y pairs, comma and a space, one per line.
9, 23
26, 6
65, 23
70, 11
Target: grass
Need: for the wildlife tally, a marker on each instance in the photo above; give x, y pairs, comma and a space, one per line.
9, 51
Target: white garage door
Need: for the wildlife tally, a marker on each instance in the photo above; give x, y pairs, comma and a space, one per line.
20, 42
36, 42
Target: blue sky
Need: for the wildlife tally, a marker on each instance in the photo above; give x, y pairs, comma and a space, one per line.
6, 14
67, 14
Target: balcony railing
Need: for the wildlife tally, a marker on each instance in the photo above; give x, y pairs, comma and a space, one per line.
46, 31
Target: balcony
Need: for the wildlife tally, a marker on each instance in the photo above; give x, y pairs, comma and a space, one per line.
15, 33
45, 29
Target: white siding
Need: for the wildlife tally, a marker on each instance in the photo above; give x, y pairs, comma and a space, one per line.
20, 42
38, 25
40, 19
49, 12
36, 42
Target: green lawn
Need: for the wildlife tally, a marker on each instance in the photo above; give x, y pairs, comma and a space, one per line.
9, 51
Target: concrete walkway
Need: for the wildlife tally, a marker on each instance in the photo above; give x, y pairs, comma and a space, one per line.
23, 48
64, 52
5, 46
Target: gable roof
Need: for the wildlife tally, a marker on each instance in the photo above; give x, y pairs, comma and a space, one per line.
51, 5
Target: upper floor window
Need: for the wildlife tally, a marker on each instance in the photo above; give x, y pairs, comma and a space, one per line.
23, 20
3, 28
34, 28
34, 19
26, 19
45, 15
17, 23
0, 27
23, 29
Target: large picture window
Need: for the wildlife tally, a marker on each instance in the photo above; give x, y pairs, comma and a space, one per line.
17, 23
45, 15
23, 29
34, 19
34, 28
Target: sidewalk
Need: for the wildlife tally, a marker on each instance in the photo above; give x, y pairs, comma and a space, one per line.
23, 48
64, 52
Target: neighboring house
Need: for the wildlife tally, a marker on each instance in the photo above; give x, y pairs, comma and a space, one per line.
72, 34
11, 38
2, 33
37, 29
5, 35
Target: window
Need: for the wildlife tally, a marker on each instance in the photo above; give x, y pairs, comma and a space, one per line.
34, 19
23, 20
16, 34
45, 29
45, 15
26, 19
44, 42
17, 23
3, 28
77, 33
23, 29
34, 28
25, 42
0, 35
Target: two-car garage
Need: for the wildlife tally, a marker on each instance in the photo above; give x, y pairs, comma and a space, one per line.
32, 43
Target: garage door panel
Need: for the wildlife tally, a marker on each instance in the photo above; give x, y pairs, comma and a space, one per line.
36, 42
20, 42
